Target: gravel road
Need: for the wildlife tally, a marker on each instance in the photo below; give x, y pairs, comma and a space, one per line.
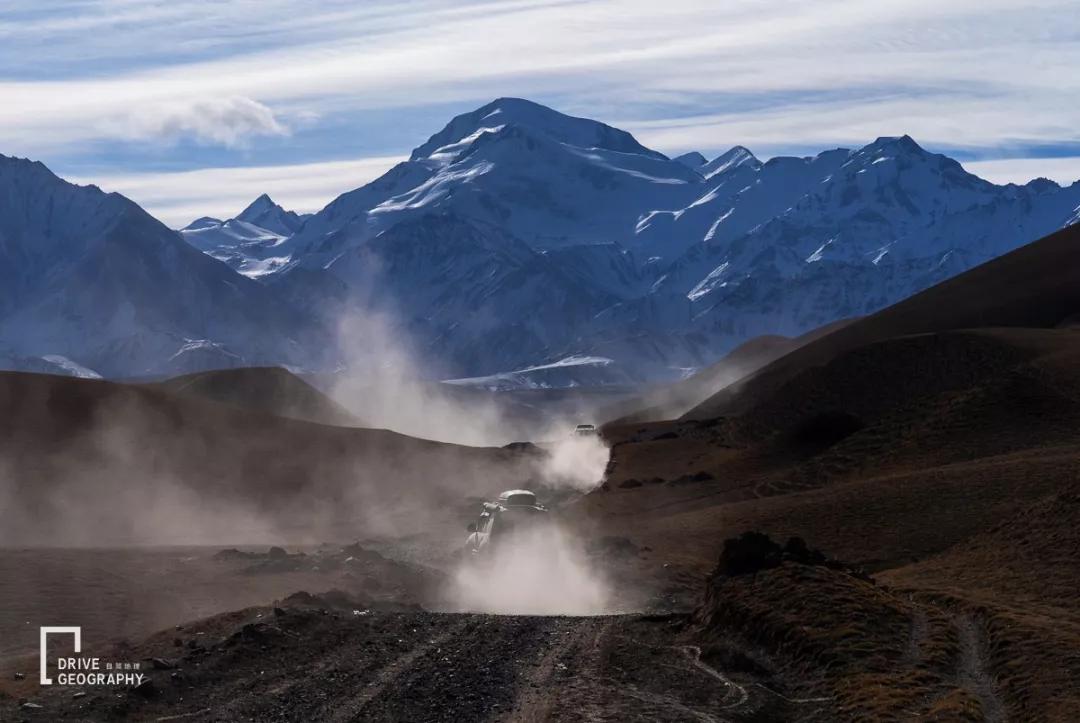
304, 663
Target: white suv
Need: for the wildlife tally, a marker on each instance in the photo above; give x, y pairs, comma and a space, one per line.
513, 511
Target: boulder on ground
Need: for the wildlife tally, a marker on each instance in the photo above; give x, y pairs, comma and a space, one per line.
752, 552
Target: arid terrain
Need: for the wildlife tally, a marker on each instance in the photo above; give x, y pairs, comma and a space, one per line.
933, 445
309, 659
925, 459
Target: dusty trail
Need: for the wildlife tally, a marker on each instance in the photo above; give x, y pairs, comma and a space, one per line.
324, 665
972, 673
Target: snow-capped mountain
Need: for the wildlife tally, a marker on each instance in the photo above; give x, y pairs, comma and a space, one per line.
548, 179
48, 364
660, 264
741, 193
250, 242
575, 371
515, 238
693, 160
888, 220
469, 295
264, 213
89, 281
729, 160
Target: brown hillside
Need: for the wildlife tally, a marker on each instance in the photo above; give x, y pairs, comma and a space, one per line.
264, 389
934, 444
94, 462
1037, 285
672, 400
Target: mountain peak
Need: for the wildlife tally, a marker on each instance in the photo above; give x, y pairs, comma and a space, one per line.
730, 159
693, 159
580, 132
902, 144
1043, 185
263, 212
30, 168
258, 207
203, 222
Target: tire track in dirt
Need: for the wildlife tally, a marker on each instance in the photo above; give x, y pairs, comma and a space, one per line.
473, 674
318, 665
972, 673
919, 629
350, 709
693, 652
567, 666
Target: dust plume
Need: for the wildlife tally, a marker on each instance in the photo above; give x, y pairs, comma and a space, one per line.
539, 571
382, 382
108, 464
574, 462
542, 571
386, 381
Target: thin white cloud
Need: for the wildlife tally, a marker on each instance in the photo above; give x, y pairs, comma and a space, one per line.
181, 197
971, 123
688, 48
974, 74
229, 122
1065, 171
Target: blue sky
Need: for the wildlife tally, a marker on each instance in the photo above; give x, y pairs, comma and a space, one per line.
194, 107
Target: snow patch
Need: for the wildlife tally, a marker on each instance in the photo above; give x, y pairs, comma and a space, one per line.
71, 367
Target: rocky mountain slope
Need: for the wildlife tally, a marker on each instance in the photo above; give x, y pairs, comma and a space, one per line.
675, 262
933, 445
249, 242
514, 238
93, 279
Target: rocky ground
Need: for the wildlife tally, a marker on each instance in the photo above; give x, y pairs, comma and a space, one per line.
373, 649
319, 658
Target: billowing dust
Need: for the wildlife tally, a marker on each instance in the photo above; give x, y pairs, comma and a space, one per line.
540, 572
140, 473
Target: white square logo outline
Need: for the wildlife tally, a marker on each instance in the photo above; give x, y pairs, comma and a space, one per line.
45, 631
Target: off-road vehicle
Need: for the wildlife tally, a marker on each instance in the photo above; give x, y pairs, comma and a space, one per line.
585, 430
514, 512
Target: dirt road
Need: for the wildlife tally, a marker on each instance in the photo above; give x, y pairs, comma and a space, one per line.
312, 664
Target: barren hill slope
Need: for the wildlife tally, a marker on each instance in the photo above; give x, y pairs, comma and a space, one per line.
934, 444
267, 389
1037, 285
95, 462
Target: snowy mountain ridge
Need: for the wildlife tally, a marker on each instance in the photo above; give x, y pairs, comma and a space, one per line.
250, 241
574, 371
514, 238
686, 257
92, 284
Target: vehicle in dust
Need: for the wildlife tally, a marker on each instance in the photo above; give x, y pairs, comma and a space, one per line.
514, 512
585, 430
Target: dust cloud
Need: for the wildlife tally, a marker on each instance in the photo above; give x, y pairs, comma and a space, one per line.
386, 381
94, 464
574, 462
542, 571
111, 485
112, 465
381, 382
97, 464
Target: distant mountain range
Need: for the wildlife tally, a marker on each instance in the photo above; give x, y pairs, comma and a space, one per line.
516, 238
92, 284
248, 242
